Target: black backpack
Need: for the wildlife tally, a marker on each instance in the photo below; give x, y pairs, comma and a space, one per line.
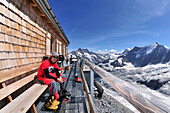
61, 58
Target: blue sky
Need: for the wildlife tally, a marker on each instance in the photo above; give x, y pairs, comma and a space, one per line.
113, 24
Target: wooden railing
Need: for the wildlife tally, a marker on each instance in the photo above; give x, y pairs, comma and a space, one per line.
89, 98
143, 101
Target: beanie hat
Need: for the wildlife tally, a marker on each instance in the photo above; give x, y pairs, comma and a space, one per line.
55, 54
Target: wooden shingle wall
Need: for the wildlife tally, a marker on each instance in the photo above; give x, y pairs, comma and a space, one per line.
23, 34
22, 39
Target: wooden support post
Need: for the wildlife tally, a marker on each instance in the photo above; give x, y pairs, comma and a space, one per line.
92, 83
33, 109
9, 97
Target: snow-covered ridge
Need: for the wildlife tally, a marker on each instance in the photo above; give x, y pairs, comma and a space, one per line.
148, 65
112, 51
152, 54
93, 56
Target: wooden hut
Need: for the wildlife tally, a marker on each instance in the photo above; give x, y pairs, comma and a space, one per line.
29, 30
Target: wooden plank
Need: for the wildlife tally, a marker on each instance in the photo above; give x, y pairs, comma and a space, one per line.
17, 101
32, 98
18, 71
16, 85
22, 103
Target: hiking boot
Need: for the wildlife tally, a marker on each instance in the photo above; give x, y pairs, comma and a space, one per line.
51, 100
56, 102
77, 79
52, 106
64, 93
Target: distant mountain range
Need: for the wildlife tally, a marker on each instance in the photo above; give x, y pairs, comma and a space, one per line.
148, 65
92, 56
138, 56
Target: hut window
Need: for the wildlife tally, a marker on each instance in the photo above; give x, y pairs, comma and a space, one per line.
48, 46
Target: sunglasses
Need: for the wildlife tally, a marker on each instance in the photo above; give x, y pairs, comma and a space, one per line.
55, 57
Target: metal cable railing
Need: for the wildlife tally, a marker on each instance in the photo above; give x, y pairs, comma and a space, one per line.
143, 101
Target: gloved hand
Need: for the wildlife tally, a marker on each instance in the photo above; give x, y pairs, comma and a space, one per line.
60, 80
62, 71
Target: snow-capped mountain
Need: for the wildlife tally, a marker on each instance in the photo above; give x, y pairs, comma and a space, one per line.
148, 65
152, 54
124, 52
92, 56
142, 56
138, 56
112, 51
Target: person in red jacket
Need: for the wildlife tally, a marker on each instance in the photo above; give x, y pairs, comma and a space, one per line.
48, 73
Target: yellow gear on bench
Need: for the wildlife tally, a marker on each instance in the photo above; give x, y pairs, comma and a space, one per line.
56, 102
52, 104
52, 107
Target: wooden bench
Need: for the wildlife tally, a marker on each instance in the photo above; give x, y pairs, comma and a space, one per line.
25, 100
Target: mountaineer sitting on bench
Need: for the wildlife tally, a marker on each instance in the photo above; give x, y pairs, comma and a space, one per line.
48, 73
